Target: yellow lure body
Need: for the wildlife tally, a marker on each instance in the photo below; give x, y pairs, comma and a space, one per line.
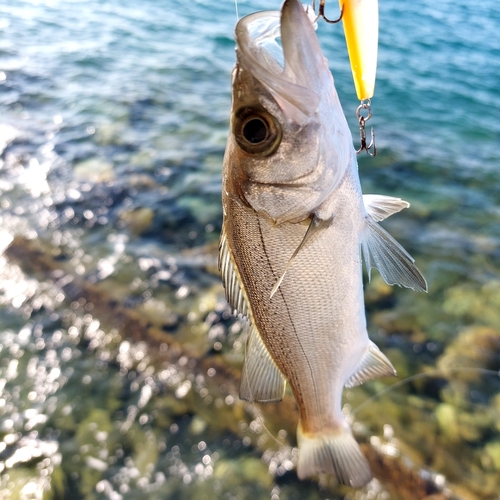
360, 19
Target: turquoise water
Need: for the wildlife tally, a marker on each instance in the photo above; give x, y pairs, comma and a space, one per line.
97, 62
113, 122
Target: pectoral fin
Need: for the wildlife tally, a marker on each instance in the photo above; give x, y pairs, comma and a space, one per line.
380, 207
394, 263
234, 292
373, 364
261, 379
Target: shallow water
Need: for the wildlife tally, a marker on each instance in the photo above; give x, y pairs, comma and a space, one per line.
113, 123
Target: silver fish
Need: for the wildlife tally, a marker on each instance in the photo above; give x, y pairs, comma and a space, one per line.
295, 226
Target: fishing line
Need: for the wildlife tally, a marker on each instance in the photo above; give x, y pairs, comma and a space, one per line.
418, 376
261, 419
236, 9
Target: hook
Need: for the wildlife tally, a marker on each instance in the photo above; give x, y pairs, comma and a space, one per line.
321, 12
362, 132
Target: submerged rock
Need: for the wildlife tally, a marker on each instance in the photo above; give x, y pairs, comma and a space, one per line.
152, 390
473, 303
475, 349
137, 220
94, 170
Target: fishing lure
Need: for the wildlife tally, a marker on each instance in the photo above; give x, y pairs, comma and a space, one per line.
360, 20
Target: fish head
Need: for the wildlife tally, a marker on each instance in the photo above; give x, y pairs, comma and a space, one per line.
289, 144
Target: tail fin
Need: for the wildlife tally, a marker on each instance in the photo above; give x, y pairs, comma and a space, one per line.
335, 453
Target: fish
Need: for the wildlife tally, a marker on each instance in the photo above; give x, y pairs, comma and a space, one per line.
295, 227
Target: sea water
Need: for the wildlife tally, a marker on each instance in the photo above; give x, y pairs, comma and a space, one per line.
113, 121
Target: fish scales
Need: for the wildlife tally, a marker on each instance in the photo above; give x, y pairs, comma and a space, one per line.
294, 227
298, 325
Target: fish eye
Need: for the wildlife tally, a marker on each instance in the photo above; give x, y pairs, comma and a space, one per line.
256, 131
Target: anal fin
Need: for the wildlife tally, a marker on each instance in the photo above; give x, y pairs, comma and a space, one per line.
394, 263
373, 364
261, 379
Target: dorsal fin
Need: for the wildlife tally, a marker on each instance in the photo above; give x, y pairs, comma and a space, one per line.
234, 292
380, 207
373, 364
261, 379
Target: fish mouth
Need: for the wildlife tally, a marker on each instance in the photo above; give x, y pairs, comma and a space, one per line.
291, 72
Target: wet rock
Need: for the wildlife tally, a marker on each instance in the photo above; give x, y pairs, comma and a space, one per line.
137, 220
197, 426
145, 452
94, 170
248, 471
398, 322
472, 303
109, 133
492, 455
204, 213
475, 349
23, 483
142, 159
446, 415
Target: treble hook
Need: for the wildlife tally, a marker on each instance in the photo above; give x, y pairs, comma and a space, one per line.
321, 12
362, 132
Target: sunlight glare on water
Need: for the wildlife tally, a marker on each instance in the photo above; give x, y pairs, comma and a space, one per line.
114, 120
